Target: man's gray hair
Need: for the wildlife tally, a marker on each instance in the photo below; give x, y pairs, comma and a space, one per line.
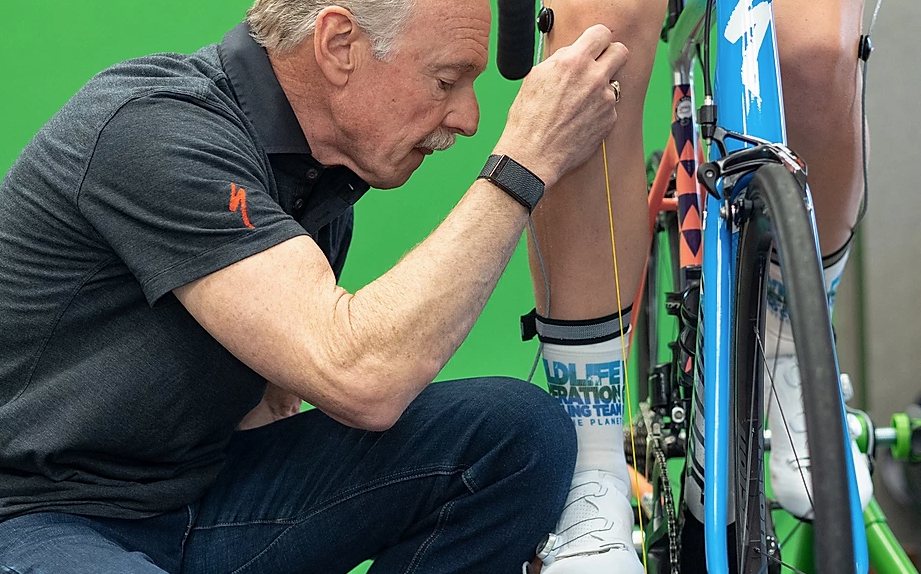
282, 24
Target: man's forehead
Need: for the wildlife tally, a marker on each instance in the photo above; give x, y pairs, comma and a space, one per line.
459, 17
452, 35
479, 9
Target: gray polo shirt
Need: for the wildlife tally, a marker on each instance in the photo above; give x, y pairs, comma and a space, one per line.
113, 400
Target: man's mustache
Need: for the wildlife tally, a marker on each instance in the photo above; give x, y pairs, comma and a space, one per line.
439, 140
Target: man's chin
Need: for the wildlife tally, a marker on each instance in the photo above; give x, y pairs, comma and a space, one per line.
391, 182
398, 176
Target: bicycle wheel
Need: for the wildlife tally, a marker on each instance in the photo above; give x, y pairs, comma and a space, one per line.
777, 211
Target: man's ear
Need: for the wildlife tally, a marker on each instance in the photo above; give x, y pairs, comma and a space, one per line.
337, 43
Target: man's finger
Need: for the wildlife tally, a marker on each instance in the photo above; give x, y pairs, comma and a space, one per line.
613, 59
594, 41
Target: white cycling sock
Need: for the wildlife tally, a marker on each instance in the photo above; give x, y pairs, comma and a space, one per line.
588, 380
791, 476
584, 363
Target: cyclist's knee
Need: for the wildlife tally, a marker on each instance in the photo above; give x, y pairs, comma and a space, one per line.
635, 23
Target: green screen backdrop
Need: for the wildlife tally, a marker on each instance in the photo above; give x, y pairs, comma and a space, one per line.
50, 48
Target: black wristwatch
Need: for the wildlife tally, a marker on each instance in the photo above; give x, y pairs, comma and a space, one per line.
514, 179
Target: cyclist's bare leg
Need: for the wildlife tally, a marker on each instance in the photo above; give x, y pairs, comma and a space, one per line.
817, 42
573, 233
572, 226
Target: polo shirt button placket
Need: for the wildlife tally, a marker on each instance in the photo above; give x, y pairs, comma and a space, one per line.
311, 175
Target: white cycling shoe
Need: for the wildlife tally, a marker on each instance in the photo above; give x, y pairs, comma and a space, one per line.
791, 472
595, 532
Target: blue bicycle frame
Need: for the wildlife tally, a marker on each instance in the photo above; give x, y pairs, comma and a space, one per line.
748, 93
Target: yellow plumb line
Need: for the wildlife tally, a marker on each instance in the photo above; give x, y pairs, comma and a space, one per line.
623, 349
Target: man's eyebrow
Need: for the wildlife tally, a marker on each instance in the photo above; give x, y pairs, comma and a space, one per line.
462, 67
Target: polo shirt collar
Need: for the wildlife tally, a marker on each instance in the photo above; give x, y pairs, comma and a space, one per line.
259, 94
311, 192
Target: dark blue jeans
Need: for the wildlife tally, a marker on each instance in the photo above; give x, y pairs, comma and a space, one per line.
468, 480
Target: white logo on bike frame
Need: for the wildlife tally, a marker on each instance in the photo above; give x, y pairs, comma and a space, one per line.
749, 24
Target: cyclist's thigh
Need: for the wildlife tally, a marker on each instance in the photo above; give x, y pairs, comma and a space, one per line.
51, 543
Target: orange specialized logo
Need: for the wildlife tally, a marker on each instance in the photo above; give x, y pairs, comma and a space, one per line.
238, 199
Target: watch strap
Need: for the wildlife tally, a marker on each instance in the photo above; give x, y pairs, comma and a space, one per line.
514, 179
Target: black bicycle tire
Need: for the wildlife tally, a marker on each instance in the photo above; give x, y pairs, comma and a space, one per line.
747, 374
775, 192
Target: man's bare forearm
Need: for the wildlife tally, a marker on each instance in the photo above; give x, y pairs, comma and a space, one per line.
407, 324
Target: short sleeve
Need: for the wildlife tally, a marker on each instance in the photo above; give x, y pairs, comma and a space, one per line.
178, 189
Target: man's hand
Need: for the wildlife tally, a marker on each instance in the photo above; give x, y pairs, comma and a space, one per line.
276, 404
565, 106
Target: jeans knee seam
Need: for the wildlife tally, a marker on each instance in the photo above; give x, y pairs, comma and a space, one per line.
188, 530
8, 570
264, 550
440, 470
470, 482
442, 518
423, 548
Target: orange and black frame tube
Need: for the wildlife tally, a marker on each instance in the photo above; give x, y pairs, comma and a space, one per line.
688, 190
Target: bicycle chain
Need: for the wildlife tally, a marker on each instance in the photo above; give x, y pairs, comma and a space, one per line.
671, 517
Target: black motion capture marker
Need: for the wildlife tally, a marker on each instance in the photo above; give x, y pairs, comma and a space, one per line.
514, 179
545, 20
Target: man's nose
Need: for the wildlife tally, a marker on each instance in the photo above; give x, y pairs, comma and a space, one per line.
464, 116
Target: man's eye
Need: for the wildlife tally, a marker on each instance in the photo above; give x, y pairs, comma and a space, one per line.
443, 85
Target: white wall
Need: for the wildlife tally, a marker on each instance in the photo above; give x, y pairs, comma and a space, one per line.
891, 238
